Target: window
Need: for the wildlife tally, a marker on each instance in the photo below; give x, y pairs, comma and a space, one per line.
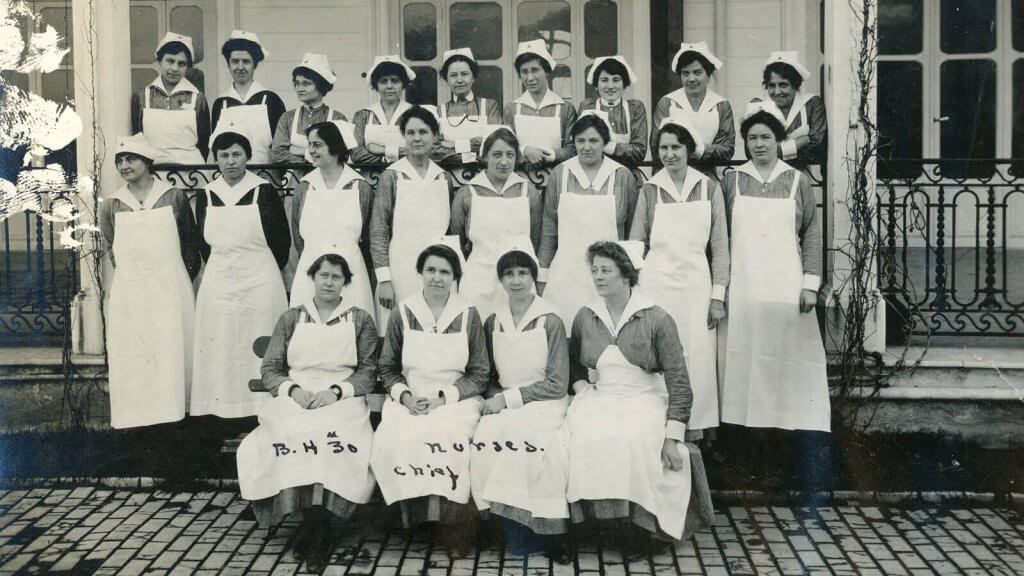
58, 85
550, 22
968, 26
900, 27
899, 114
419, 30
149, 20
479, 26
1018, 25
600, 28
1018, 109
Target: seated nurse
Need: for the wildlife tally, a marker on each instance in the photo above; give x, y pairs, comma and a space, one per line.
312, 79
377, 126
319, 366
434, 367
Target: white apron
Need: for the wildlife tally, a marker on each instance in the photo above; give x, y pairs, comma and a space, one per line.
330, 445
617, 137
332, 221
775, 371
519, 457
616, 432
426, 455
705, 118
149, 321
298, 142
537, 131
494, 219
677, 277
582, 220
384, 135
172, 132
240, 299
253, 119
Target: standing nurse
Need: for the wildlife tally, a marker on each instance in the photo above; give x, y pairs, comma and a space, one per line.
171, 111
380, 138
541, 119
312, 80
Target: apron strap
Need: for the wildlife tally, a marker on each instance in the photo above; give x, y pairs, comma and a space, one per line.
295, 122
704, 189
402, 311
481, 109
565, 179
736, 181
145, 96
796, 184
263, 99
193, 96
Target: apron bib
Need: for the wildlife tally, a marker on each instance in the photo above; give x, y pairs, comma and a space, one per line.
298, 143
330, 445
426, 455
149, 321
677, 277
493, 220
240, 299
706, 122
775, 371
616, 136
519, 456
384, 135
537, 131
616, 431
253, 119
172, 132
332, 221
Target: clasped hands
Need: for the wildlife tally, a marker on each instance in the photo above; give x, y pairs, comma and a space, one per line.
420, 405
311, 400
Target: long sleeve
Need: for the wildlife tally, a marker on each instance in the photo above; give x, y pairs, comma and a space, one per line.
625, 200
474, 381
275, 110
809, 233
274, 371
724, 145
635, 151
549, 224
380, 224
281, 145
719, 244
508, 115
275, 223
202, 124
390, 363
364, 378
536, 216
361, 155
298, 200
459, 222
217, 107
568, 149
556, 378
188, 233
661, 111
670, 359
105, 221
201, 207
577, 371
137, 111
494, 115
643, 215
817, 133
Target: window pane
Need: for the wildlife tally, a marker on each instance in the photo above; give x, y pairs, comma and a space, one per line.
420, 23
15, 79
60, 19
58, 86
899, 115
548, 21
188, 20
968, 26
141, 77
1018, 25
478, 27
1018, 109
900, 26
600, 28
423, 90
144, 31
489, 84
968, 94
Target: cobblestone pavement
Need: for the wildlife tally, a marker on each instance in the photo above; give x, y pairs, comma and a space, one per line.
102, 531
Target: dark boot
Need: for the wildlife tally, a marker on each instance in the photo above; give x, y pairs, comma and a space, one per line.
322, 543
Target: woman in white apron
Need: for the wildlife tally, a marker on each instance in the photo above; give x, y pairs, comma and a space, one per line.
710, 113
331, 213
311, 451
680, 217
496, 205
245, 242
152, 233
803, 114
775, 361
610, 76
434, 367
542, 119
411, 210
589, 198
377, 131
248, 103
520, 472
312, 79
170, 111
466, 118
627, 424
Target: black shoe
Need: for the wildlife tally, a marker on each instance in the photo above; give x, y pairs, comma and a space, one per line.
300, 546
559, 551
323, 545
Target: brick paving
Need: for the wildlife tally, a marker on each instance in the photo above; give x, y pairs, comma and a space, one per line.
119, 532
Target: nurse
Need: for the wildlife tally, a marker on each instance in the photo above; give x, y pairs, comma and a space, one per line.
610, 76
803, 114
705, 109
312, 79
525, 481
245, 242
331, 213
775, 361
589, 198
542, 120
627, 425
320, 365
248, 103
377, 129
411, 210
466, 118
170, 111
497, 204
434, 367
150, 228
680, 218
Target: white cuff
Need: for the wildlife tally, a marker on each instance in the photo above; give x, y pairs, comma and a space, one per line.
675, 430
463, 145
788, 149
450, 394
548, 152
513, 398
348, 390
580, 385
288, 385
718, 292
397, 390
542, 275
812, 282
609, 148
391, 153
469, 157
383, 274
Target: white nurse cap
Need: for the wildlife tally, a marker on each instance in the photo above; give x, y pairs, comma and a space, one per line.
391, 59
449, 54
243, 36
137, 145
688, 125
229, 127
519, 243
537, 48
635, 250
792, 59
700, 48
348, 133
319, 64
171, 37
617, 58
600, 115
766, 106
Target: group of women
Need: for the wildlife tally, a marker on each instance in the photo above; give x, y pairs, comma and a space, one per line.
496, 303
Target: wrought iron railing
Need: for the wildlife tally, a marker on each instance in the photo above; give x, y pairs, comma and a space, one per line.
952, 237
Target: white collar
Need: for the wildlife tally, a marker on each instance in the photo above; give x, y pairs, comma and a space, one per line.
316, 178
155, 193
338, 311
230, 195
539, 307
549, 99
183, 85
751, 170
405, 167
711, 99
664, 181
416, 304
636, 303
799, 101
607, 169
254, 88
481, 180
311, 109
469, 98
377, 110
